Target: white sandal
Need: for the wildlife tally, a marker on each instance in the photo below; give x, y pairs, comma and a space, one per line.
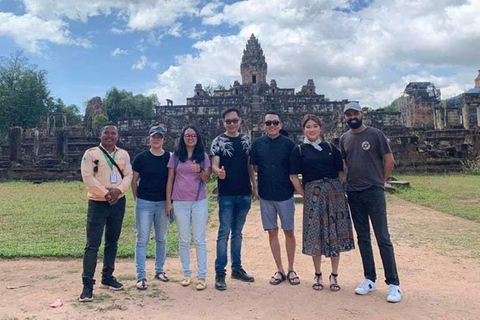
142, 284
162, 276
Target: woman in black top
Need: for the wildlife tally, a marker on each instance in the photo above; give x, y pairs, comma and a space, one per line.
149, 184
327, 228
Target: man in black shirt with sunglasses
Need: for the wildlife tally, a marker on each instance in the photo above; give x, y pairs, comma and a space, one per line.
237, 188
270, 158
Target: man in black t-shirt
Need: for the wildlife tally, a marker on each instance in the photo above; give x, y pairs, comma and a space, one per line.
236, 189
270, 158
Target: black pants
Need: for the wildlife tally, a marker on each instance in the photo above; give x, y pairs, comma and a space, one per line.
101, 216
371, 203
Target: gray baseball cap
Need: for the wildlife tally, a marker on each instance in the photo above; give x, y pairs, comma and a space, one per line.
156, 129
352, 106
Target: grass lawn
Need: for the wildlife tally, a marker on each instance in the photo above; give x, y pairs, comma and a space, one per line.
458, 195
49, 220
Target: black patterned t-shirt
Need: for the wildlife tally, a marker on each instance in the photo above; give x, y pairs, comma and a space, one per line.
233, 154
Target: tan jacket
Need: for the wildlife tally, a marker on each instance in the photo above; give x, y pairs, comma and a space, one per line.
97, 182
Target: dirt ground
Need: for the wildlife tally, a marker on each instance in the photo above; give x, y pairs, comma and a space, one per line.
439, 276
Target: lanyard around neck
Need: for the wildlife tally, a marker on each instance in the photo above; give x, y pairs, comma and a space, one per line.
110, 164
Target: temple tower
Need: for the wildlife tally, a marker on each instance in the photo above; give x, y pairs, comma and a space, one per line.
253, 67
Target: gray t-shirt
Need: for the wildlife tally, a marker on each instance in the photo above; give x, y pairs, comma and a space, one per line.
364, 153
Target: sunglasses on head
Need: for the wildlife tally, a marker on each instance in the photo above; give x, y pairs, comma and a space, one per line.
187, 135
95, 168
268, 123
230, 121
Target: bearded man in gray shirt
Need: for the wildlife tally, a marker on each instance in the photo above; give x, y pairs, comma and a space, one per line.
369, 161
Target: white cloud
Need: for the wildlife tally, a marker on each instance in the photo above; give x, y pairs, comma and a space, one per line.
50, 16
196, 34
140, 14
31, 32
368, 55
210, 9
115, 30
144, 62
119, 51
175, 30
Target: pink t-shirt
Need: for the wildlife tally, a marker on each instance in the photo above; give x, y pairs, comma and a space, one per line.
185, 185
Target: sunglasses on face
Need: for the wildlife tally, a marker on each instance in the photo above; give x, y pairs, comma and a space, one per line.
187, 135
230, 121
268, 123
95, 168
156, 137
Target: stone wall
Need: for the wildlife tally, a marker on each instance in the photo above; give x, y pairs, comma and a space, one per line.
416, 150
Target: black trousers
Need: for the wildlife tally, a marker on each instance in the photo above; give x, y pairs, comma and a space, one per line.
371, 203
102, 215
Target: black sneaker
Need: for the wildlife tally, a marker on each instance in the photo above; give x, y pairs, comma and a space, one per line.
87, 294
242, 275
220, 282
112, 284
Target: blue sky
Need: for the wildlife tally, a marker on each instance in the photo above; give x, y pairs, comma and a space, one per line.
359, 50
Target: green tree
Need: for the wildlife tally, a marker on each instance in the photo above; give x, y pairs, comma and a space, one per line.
24, 95
211, 90
123, 104
394, 106
73, 112
98, 122
391, 108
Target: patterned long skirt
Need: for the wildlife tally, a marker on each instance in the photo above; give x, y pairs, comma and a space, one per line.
327, 227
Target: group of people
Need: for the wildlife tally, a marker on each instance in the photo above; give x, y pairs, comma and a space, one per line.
167, 185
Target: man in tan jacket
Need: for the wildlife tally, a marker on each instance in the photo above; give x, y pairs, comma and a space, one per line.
107, 173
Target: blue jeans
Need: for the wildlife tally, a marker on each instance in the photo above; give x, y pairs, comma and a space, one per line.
232, 214
194, 214
146, 214
371, 203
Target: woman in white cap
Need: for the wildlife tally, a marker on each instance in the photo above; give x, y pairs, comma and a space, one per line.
149, 185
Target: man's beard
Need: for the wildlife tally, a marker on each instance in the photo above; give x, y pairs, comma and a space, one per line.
354, 125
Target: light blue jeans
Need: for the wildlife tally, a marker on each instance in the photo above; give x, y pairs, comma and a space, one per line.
192, 214
146, 214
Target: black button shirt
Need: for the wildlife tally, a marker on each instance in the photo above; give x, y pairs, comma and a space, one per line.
272, 156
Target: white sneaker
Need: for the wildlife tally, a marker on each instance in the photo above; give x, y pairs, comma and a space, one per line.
365, 287
394, 294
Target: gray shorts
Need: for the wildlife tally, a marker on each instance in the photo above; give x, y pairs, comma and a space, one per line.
284, 209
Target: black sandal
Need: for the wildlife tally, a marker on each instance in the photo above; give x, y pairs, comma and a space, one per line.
334, 284
293, 280
317, 285
275, 281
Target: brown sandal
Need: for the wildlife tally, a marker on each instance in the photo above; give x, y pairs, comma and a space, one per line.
333, 282
317, 285
275, 281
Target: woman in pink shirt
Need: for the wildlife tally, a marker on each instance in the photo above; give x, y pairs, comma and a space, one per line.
188, 171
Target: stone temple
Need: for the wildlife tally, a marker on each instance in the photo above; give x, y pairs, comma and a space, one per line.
426, 134
253, 96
